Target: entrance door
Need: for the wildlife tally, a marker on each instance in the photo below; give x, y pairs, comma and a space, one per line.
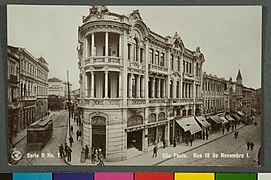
134, 139
99, 138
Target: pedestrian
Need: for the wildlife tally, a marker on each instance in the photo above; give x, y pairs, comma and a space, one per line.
207, 135
251, 146
154, 150
187, 141
93, 157
232, 127
223, 130
191, 141
71, 141
86, 151
228, 128
77, 134
82, 157
69, 154
164, 144
80, 134
248, 145
71, 129
235, 126
235, 135
174, 142
66, 149
61, 151
97, 155
100, 157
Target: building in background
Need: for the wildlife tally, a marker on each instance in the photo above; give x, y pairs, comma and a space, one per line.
138, 88
30, 91
13, 91
58, 87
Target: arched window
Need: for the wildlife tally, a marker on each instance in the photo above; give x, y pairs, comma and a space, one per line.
184, 112
189, 112
136, 49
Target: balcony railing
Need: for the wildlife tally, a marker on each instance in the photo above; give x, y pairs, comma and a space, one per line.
136, 101
102, 102
188, 76
103, 60
158, 101
157, 68
28, 98
135, 64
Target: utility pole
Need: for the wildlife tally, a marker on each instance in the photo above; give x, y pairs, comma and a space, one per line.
69, 104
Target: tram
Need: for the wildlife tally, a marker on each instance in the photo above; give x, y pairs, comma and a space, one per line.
39, 133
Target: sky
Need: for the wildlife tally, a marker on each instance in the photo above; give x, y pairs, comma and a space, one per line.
228, 36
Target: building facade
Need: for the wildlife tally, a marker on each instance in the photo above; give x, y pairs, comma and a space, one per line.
13, 92
58, 87
134, 83
215, 98
32, 87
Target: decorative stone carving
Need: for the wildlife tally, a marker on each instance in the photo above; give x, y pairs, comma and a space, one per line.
151, 118
135, 120
98, 121
161, 116
98, 10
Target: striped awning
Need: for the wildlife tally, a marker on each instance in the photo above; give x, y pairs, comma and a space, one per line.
189, 124
224, 120
241, 113
216, 119
202, 121
228, 117
236, 116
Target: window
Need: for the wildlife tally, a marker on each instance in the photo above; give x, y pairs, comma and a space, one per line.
183, 66
136, 49
141, 55
190, 68
186, 67
162, 59
151, 56
129, 51
178, 62
156, 58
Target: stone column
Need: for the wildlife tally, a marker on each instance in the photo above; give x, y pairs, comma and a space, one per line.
106, 47
158, 88
130, 85
86, 84
92, 84
106, 84
120, 85
164, 89
86, 45
137, 86
120, 46
153, 87
142, 86
92, 44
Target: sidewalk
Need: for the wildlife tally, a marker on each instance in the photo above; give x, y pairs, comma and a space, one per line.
145, 159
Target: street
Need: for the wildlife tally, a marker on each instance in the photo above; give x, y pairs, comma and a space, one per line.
50, 150
206, 155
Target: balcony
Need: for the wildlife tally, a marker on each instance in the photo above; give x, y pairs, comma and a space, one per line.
102, 102
199, 100
182, 101
28, 98
198, 79
158, 101
136, 101
135, 64
158, 69
13, 79
188, 76
103, 60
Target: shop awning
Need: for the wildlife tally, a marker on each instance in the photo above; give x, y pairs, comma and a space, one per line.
241, 113
236, 116
189, 124
228, 117
224, 120
202, 121
216, 119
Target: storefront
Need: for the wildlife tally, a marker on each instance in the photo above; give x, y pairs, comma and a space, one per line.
189, 129
203, 124
216, 123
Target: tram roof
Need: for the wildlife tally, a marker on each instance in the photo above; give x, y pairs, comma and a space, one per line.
41, 123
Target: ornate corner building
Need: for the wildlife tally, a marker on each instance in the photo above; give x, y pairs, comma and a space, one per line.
134, 83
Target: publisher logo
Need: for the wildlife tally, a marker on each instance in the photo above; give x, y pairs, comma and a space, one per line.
16, 155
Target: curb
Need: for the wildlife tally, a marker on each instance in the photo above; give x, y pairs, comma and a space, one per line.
195, 147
